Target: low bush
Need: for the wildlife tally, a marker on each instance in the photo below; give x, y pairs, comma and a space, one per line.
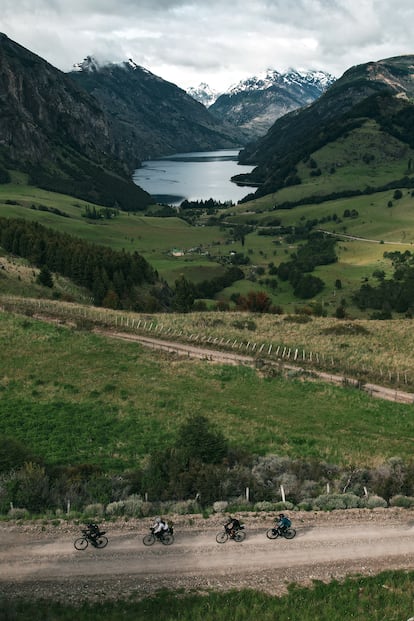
402, 501
220, 506
94, 510
373, 502
18, 513
329, 502
265, 505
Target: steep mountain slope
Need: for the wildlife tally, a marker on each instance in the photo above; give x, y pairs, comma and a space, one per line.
58, 133
151, 116
256, 103
380, 93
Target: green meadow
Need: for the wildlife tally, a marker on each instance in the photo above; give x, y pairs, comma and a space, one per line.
74, 397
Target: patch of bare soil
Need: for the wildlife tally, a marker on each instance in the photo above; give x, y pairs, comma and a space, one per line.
41, 561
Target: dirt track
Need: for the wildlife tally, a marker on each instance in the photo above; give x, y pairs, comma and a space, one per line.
38, 563
223, 357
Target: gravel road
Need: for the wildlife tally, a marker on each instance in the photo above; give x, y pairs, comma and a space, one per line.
40, 561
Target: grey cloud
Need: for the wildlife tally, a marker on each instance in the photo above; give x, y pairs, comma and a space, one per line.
193, 39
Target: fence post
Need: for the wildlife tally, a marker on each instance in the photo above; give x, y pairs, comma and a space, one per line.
282, 493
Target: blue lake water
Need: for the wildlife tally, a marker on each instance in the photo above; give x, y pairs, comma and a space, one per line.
193, 176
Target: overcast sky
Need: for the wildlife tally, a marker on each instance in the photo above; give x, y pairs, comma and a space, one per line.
213, 41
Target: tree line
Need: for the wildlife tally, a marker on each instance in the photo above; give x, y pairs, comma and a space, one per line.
115, 279
392, 294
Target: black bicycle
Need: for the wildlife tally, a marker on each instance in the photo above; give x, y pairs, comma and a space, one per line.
237, 535
98, 541
165, 536
276, 531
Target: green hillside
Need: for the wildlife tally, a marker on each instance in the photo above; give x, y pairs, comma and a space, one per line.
74, 397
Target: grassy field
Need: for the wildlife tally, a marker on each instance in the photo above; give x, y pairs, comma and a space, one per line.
386, 596
372, 351
73, 396
157, 238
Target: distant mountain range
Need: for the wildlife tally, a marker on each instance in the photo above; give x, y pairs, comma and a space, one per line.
83, 133
372, 100
256, 103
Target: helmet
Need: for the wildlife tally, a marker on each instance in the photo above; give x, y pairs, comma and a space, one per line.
281, 515
157, 520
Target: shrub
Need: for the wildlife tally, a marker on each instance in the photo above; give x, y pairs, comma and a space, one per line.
96, 509
220, 506
402, 501
18, 513
306, 505
265, 505
239, 504
184, 507
372, 502
115, 508
329, 502
280, 506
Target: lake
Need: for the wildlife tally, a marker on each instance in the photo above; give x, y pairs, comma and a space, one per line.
193, 176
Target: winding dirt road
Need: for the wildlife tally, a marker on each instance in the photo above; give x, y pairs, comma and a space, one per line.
38, 563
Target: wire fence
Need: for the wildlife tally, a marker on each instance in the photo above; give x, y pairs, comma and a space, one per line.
261, 352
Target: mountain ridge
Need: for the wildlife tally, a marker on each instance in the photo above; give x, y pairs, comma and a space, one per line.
382, 90
255, 103
56, 132
152, 116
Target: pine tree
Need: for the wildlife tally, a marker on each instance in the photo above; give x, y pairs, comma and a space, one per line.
45, 277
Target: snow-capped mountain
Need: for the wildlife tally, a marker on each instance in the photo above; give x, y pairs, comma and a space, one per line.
256, 103
203, 93
292, 79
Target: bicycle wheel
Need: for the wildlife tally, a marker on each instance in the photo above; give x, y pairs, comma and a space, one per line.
167, 539
289, 533
81, 543
222, 537
148, 540
272, 533
239, 536
101, 542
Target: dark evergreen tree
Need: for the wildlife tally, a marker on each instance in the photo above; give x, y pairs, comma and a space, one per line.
184, 295
45, 277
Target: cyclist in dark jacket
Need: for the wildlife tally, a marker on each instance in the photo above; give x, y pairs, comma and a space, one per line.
232, 526
93, 530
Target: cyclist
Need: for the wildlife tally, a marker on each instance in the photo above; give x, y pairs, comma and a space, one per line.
93, 530
232, 526
160, 526
283, 522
